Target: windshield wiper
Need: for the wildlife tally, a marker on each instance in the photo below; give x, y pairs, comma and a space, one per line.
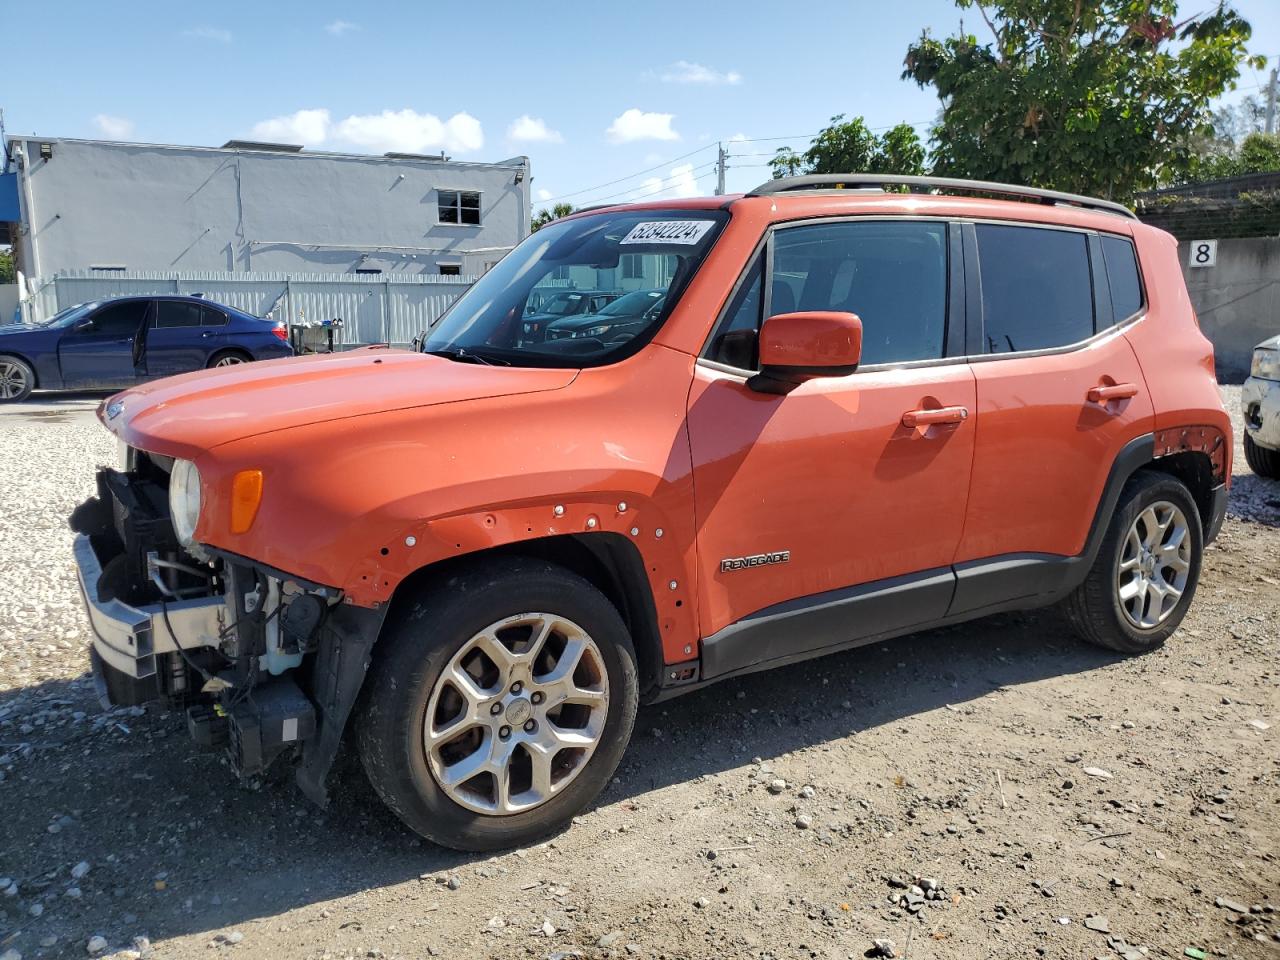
461, 355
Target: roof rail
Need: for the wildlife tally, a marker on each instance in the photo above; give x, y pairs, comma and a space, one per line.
837, 181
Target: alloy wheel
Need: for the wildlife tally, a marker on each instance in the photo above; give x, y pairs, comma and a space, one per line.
230, 360
516, 714
13, 380
1155, 562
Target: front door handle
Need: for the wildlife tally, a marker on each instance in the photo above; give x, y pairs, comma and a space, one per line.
1115, 391
924, 418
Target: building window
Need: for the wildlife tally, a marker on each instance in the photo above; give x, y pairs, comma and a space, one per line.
368, 269
458, 206
450, 270
632, 267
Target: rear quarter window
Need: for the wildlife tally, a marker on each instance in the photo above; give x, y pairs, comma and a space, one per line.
1122, 277
1037, 291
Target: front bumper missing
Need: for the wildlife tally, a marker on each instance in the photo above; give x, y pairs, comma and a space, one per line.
127, 639
1260, 403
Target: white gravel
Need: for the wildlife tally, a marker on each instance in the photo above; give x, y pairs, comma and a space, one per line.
49, 452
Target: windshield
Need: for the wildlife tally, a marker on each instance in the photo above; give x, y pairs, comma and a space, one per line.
68, 316
632, 304
562, 304
632, 255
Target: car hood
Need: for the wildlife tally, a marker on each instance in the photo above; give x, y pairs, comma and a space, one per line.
20, 329
547, 318
185, 415
583, 320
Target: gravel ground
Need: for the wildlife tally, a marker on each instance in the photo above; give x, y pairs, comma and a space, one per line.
1053, 800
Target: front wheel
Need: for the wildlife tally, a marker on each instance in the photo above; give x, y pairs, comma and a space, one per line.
498, 705
1263, 462
1145, 574
17, 380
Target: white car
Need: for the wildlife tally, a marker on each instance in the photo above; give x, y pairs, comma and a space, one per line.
1260, 399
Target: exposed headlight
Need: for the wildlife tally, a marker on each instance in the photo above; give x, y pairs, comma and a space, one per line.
599, 331
184, 500
1266, 364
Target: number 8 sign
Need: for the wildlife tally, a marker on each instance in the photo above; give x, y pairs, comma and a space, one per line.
1204, 253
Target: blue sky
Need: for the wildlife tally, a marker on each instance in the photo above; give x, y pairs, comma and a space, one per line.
592, 92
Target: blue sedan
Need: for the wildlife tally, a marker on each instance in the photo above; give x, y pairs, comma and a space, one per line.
111, 344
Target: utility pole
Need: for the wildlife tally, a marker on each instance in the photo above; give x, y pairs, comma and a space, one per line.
720, 154
1271, 102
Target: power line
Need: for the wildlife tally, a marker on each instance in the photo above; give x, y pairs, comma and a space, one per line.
630, 176
663, 183
701, 176
551, 201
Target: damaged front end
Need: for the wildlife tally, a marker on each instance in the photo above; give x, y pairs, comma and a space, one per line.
265, 665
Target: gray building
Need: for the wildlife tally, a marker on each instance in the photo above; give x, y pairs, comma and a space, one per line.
121, 208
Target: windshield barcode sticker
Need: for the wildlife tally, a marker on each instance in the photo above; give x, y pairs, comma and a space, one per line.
683, 232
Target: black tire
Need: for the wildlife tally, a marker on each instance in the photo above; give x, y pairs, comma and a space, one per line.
17, 379
1263, 462
236, 356
1094, 609
428, 630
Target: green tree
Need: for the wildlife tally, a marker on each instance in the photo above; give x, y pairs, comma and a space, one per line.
1258, 153
7, 273
847, 146
1095, 96
545, 216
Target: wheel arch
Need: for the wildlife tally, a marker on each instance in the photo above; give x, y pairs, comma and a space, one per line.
31, 364
241, 352
608, 561
1197, 456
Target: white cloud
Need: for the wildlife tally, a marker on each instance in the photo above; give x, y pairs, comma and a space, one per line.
738, 138
117, 128
407, 131
635, 124
307, 127
209, 33
544, 195
532, 130
683, 71
339, 27
680, 183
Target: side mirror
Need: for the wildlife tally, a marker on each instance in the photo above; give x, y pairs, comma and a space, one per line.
82, 325
795, 347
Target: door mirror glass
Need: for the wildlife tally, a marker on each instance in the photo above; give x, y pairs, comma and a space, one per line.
795, 347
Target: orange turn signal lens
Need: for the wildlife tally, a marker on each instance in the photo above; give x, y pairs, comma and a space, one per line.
246, 494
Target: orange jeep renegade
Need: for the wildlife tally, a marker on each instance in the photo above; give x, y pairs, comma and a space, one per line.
845, 408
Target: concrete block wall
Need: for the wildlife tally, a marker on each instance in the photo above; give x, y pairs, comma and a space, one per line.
1237, 299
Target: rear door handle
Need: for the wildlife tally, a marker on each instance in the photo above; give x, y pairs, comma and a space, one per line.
1116, 391
924, 418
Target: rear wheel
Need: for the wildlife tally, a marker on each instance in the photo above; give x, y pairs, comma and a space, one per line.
228, 358
17, 380
1263, 462
498, 705
1145, 574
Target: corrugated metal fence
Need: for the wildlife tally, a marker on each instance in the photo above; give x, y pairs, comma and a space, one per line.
373, 309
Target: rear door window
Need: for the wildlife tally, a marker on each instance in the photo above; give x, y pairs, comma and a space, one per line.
176, 313
1122, 277
1037, 292
209, 317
